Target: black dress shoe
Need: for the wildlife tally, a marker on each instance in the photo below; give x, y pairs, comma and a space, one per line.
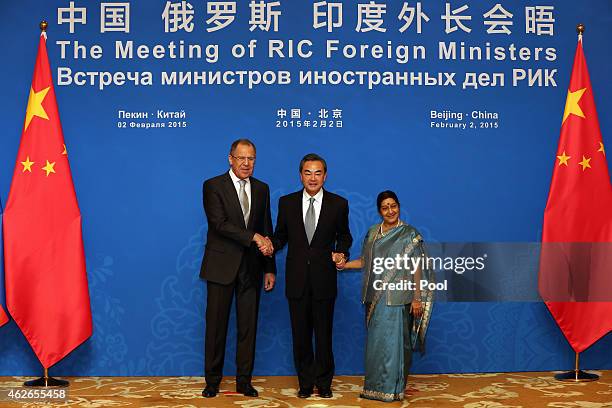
325, 393
304, 392
247, 390
210, 391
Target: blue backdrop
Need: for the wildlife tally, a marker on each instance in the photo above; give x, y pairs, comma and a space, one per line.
139, 188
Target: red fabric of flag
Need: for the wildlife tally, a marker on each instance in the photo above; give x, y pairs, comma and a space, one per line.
3, 317
575, 272
46, 280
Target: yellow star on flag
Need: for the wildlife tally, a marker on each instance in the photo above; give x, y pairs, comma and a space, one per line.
49, 168
65, 152
35, 107
585, 163
571, 104
601, 148
27, 165
563, 159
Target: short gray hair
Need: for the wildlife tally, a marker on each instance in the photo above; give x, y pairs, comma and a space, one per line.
237, 142
313, 157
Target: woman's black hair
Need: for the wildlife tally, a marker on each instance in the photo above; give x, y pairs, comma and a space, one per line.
384, 195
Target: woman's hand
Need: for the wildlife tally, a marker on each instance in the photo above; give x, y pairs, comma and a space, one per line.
416, 308
346, 264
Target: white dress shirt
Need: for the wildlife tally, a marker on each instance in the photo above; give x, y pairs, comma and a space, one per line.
316, 204
247, 186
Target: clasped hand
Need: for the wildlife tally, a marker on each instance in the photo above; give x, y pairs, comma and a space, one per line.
264, 244
339, 259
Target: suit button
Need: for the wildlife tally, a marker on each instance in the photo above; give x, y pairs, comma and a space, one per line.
308, 262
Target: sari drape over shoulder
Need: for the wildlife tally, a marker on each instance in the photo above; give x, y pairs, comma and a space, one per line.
402, 240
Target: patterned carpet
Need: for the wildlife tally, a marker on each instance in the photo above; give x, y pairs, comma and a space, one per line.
509, 390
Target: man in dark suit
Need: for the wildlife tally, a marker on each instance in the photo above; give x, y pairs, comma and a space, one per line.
237, 254
315, 224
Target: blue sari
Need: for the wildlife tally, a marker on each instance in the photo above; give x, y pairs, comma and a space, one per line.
393, 332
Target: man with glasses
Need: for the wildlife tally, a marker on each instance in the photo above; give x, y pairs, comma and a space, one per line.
237, 255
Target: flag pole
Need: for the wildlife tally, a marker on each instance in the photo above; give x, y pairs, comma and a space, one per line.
45, 380
577, 375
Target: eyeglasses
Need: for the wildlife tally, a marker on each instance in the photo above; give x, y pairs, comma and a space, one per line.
244, 159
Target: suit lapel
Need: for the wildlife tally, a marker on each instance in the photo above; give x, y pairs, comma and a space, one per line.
300, 210
325, 208
255, 201
230, 192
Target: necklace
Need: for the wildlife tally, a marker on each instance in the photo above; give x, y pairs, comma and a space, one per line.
382, 234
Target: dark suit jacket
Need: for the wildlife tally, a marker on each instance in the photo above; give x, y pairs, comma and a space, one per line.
312, 264
228, 239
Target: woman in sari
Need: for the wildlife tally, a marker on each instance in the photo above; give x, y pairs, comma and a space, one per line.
396, 319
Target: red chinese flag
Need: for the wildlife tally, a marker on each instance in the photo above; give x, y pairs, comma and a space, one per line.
46, 281
3, 317
575, 272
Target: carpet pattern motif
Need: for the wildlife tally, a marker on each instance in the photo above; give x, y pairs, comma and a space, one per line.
487, 390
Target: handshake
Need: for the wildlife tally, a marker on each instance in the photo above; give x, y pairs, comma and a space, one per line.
264, 244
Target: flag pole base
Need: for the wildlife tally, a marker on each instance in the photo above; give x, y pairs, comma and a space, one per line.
46, 381
576, 376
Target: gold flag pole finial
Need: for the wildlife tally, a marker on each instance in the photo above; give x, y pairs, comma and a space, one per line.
43, 26
580, 31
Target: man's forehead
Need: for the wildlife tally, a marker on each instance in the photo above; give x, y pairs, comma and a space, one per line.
245, 148
314, 165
